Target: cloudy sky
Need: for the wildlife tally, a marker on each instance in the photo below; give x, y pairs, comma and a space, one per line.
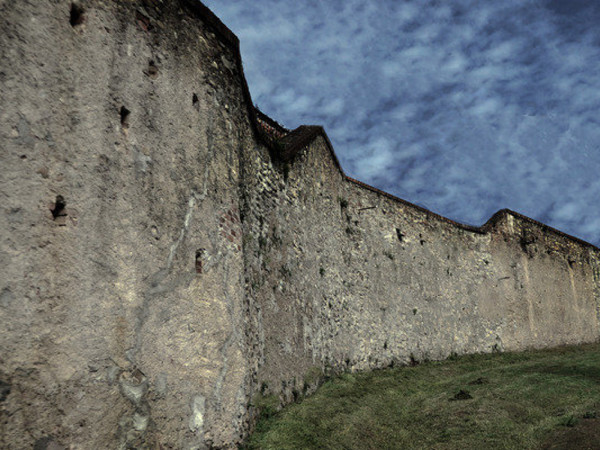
464, 107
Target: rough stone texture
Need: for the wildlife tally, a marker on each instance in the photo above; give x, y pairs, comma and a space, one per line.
346, 278
169, 253
111, 337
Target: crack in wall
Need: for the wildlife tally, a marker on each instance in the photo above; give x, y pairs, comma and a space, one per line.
183, 231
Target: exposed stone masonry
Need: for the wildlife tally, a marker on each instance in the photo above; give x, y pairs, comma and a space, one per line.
171, 254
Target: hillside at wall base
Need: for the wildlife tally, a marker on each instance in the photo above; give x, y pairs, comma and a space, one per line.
170, 253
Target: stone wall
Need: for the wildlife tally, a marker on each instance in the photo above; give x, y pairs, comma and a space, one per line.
132, 113
170, 254
349, 278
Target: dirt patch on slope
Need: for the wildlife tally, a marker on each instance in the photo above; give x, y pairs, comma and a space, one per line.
585, 435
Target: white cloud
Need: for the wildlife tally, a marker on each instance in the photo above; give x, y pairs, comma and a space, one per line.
465, 106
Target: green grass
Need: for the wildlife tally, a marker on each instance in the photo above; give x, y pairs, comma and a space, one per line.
518, 401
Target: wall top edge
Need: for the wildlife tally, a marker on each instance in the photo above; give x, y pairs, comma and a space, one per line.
294, 141
204, 13
544, 227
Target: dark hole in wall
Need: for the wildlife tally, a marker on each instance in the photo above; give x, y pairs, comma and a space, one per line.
77, 15
571, 262
385, 345
4, 390
124, 113
399, 234
59, 207
152, 70
525, 240
195, 100
199, 257
286, 172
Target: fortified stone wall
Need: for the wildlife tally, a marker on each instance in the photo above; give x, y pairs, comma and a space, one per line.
349, 278
170, 254
120, 125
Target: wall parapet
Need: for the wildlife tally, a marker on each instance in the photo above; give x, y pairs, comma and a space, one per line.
286, 144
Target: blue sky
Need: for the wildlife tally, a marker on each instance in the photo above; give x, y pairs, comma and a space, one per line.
464, 107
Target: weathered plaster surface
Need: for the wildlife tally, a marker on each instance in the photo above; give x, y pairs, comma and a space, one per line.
166, 258
111, 337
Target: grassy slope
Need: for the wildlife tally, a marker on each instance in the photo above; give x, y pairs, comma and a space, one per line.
518, 401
